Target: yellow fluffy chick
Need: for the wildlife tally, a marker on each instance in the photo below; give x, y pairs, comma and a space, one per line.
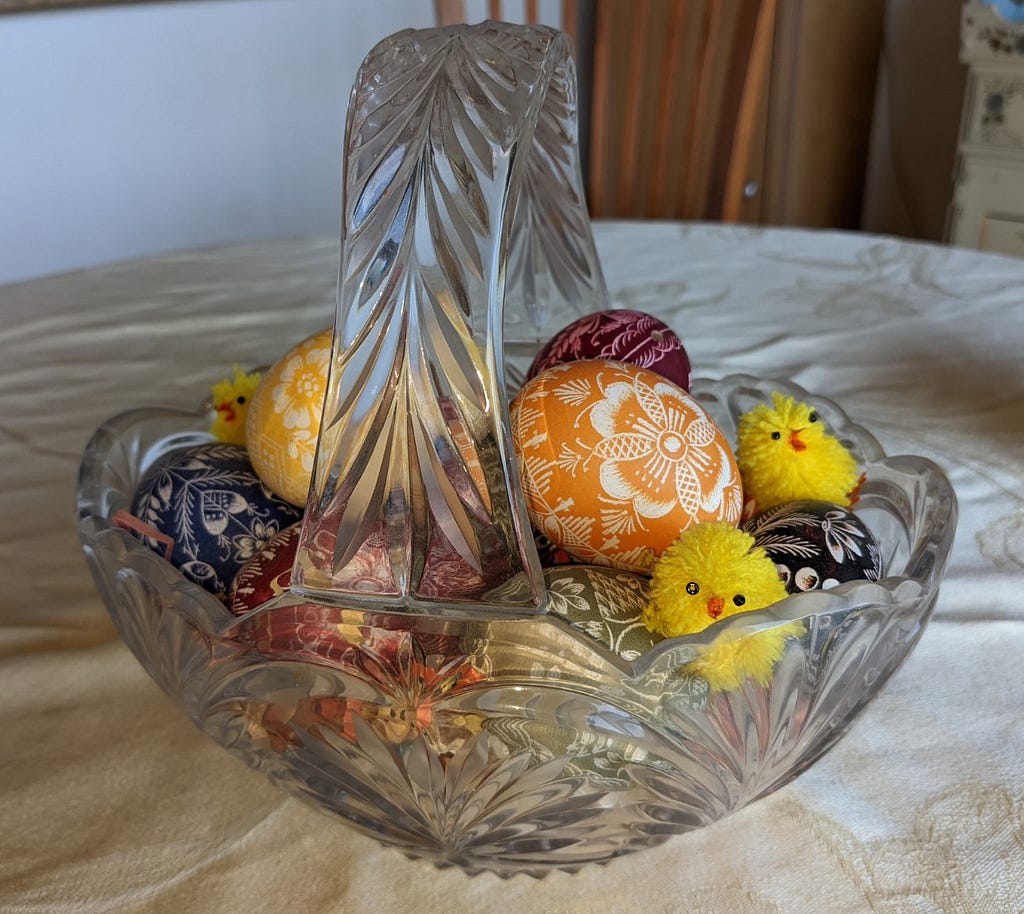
785, 454
711, 572
231, 398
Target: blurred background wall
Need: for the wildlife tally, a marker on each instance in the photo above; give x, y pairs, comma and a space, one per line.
139, 128
144, 127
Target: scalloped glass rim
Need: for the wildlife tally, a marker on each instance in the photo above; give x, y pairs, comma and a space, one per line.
907, 501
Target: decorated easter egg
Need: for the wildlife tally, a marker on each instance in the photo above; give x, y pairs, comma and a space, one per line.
267, 574
605, 603
446, 574
379, 645
284, 417
296, 628
627, 336
816, 545
549, 554
210, 503
616, 462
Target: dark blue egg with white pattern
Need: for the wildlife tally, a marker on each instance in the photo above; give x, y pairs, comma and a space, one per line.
816, 545
209, 501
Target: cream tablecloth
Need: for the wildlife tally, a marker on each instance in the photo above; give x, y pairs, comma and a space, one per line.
110, 799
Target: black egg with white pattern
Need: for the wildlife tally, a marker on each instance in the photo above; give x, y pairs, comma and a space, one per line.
816, 545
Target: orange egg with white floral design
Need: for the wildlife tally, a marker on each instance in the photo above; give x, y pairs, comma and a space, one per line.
616, 462
284, 418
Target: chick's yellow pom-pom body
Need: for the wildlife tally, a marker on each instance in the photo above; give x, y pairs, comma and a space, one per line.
711, 572
231, 399
785, 454
736, 657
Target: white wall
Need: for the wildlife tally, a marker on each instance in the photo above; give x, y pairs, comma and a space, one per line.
128, 130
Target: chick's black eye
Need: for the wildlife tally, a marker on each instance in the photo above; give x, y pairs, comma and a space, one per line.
776, 436
813, 417
693, 588
241, 400
739, 599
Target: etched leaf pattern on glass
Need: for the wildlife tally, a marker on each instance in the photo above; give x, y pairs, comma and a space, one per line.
462, 196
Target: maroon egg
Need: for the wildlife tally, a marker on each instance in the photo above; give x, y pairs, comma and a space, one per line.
267, 574
627, 336
301, 629
404, 657
312, 629
446, 573
549, 554
816, 545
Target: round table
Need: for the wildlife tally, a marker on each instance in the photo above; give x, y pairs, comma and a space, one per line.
113, 801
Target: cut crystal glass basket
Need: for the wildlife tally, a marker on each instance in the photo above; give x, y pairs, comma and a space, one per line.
443, 704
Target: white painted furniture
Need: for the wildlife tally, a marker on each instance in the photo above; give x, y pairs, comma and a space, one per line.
988, 199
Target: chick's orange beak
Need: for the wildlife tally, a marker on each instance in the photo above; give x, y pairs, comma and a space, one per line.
795, 442
715, 605
227, 410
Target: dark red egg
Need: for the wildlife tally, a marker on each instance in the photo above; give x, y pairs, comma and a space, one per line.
410, 662
549, 554
314, 629
634, 337
294, 629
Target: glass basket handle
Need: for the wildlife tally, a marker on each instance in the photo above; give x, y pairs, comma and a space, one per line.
464, 224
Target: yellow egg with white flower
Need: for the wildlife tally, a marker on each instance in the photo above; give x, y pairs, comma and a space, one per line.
284, 418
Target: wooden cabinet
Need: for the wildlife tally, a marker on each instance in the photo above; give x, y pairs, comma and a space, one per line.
753, 111
821, 102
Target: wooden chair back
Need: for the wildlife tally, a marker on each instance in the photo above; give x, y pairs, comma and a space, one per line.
452, 12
